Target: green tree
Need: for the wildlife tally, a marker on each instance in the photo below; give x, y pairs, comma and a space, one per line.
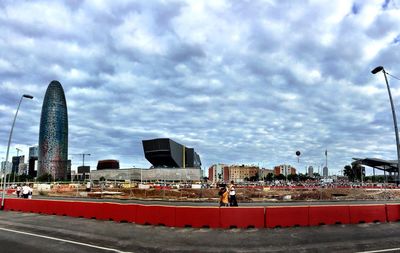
316, 175
354, 171
24, 178
45, 178
269, 177
303, 177
293, 177
280, 177
255, 177
358, 170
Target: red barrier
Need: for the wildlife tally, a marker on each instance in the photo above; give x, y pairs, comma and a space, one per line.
80, 209
242, 217
213, 217
89, 210
393, 212
197, 217
328, 215
119, 212
26, 205
156, 215
68, 208
37, 206
367, 213
10, 191
21, 205
286, 216
57, 207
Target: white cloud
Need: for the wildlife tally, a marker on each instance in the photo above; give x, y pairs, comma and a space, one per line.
241, 82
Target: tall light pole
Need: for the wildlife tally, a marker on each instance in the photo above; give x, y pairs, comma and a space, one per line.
3, 165
8, 147
396, 131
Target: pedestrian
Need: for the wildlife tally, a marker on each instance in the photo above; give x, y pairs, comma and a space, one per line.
25, 191
223, 195
30, 192
18, 190
232, 195
88, 186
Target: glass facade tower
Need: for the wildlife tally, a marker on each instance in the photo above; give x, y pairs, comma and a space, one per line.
53, 134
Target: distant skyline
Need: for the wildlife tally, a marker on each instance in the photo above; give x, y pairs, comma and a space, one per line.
242, 82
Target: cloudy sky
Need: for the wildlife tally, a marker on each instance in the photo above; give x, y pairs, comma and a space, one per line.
243, 82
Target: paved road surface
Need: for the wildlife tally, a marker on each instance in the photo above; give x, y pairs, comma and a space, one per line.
28, 232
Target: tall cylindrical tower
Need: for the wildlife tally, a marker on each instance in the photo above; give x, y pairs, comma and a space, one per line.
53, 133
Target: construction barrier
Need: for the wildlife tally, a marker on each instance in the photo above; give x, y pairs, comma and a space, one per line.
62, 208
70, 208
197, 217
242, 217
367, 213
329, 215
211, 217
119, 212
39, 206
20, 205
286, 216
156, 215
393, 212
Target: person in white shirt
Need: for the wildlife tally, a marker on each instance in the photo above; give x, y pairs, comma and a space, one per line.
26, 190
232, 195
18, 190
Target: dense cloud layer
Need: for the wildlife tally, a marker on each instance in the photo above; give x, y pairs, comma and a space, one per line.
240, 81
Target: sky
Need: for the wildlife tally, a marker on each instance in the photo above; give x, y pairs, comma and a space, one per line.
242, 82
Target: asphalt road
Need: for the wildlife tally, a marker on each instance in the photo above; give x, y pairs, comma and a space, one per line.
28, 232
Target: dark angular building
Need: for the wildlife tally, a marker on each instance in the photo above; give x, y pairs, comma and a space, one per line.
53, 134
83, 169
16, 160
33, 157
108, 165
164, 152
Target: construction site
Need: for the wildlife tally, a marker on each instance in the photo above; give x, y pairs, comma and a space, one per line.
243, 194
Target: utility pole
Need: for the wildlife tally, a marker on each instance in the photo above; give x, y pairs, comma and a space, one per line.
184, 163
3, 175
18, 150
83, 159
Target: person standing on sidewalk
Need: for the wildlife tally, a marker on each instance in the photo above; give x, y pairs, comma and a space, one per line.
223, 195
232, 195
25, 191
18, 190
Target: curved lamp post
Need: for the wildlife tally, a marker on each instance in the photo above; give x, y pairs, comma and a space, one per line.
8, 149
374, 71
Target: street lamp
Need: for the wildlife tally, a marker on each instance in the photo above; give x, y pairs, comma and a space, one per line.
374, 71
8, 148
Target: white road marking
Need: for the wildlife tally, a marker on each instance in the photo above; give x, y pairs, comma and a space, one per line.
63, 240
382, 250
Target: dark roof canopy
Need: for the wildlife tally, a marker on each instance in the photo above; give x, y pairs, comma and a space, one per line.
380, 164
